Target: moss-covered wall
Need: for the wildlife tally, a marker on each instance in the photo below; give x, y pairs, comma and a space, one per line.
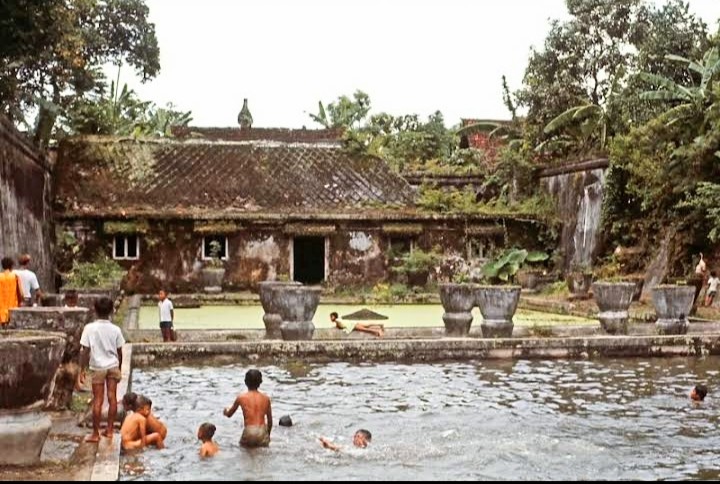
171, 251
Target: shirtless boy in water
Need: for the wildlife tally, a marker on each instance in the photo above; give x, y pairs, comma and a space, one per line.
257, 412
134, 428
152, 423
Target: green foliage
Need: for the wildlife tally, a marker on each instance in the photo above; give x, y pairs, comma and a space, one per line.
343, 113
122, 114
102, 273
505, 268
52, 52
706, 199
390, 292
418, 261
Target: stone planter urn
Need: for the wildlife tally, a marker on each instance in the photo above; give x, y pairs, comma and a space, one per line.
614, 299
497, 306
458, 301
529, 278
212, 278
673, 305
69, 321
579, 283
28, 363
272, 318
296, 306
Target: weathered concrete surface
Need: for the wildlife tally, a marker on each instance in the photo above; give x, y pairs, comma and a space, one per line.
28, 362
429, 350
458, 301
70, 321
497, 306
331, 334
23, 435
673, 305
614, 299
26, 223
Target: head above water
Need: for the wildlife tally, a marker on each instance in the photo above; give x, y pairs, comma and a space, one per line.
362, 438
24, 260
285, 421
7, 263
103, 307
206, 432
699, 393
253, 379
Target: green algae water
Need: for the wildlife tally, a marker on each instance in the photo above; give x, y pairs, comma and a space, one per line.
627, 419
400, 316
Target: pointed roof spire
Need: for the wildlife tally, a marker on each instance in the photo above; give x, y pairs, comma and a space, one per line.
245, 118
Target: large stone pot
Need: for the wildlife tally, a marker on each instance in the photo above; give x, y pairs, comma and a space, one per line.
28, 363
212, 278
614, 299
296, 306
497, 306
579, 283
69, 321
458, 301
272, 318
529, 278
673, 305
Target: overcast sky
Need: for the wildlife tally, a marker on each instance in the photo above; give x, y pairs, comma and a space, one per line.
410, 56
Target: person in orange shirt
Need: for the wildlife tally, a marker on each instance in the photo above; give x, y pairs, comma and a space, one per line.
10, 292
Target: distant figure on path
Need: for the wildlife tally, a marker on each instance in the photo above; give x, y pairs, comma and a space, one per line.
713, 284
28, 281
361, 439
257, 412
167, 316
102, 343
700, 278
11, 295
134, 429
374, 329
205, 434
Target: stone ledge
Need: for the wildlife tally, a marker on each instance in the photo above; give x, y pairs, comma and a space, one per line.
430, 350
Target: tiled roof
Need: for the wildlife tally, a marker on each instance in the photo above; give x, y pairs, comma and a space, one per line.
166, 177
260, 134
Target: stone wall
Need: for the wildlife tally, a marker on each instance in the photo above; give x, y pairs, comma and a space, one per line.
25, 203
357, 255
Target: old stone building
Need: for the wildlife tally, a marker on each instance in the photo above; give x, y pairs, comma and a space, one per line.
274, 203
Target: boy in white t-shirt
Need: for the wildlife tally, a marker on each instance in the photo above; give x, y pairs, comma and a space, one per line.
28, 282
102, 343
167, 316
713, 284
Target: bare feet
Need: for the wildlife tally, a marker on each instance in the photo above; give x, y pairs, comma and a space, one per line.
109, 433
92, 438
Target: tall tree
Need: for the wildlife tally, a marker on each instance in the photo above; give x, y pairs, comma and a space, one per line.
52, 51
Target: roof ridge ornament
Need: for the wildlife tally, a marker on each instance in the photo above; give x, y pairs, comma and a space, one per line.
245, 118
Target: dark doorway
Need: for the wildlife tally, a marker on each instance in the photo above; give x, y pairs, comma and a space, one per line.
309, 259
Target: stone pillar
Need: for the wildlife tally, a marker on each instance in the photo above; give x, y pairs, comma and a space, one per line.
458, 301
614, 299
69, 321
28, 363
